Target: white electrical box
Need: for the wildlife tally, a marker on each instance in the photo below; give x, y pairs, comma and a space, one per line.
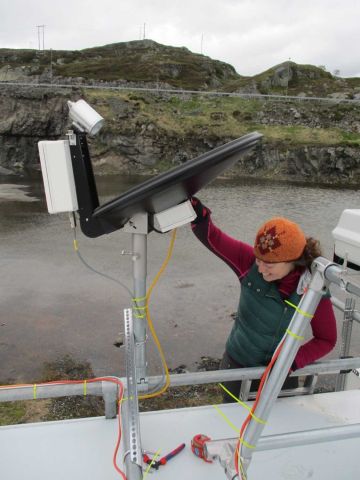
58, 176
347, 237
174, 217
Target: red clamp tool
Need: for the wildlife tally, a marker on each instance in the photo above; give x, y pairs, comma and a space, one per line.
198, 444
165, 459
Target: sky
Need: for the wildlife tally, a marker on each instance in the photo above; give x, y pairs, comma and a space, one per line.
251, 35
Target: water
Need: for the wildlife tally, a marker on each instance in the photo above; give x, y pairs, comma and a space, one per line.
52, 305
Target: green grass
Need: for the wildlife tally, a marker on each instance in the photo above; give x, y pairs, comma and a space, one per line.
351, 139
222, 117
12, 413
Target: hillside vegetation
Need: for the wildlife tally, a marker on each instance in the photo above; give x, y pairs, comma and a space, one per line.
150, 128
146, 61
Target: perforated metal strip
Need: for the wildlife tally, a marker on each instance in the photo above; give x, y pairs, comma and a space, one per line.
131, 397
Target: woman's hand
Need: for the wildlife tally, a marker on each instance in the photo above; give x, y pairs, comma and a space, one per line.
200, 210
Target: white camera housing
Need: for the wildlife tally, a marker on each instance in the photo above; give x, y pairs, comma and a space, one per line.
84, 117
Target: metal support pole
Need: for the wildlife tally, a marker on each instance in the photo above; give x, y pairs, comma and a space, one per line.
139, 248
110, 400
280, 370
345, 340
138, 227
245, 390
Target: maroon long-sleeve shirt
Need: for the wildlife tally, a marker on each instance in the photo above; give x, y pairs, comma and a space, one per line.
240, 257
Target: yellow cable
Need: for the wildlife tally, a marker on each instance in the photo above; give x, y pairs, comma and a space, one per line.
150, 323
257, 419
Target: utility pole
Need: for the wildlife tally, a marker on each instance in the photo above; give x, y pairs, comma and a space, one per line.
144, 31
201, 45
51, 73
39, 29
288, 76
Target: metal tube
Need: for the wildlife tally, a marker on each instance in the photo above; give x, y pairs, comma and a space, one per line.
341, 306
287, 440
217, 376
34, 391
139, 249
345, 340
335, 274
110, 400
9, 394
280, 370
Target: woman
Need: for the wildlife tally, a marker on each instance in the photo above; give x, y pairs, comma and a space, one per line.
274, 270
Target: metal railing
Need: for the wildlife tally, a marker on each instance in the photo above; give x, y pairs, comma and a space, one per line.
174, 91
341, 366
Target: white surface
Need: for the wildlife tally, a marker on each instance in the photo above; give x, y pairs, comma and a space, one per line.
347, 236
58, 176
82, 449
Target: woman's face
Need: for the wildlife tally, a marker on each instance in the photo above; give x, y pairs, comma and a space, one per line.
274, 271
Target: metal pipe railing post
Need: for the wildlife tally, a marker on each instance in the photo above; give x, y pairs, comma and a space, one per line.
345, 340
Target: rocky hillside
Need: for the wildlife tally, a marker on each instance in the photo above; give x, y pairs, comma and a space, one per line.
137, 61
150, 132
147, 132
148, 62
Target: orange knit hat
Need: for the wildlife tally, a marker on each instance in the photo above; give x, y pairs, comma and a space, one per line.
279, 240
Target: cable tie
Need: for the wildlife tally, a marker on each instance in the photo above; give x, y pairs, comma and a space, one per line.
157, 454
85, 388
139, 316
140, 308
304, 314
257, 419
76, 248
297, 337
140, 299
246, 444
126, 453
34, 391
143, 342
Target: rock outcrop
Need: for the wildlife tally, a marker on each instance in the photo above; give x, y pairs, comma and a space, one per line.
140, 138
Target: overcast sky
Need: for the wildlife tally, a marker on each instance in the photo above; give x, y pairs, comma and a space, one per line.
251, 35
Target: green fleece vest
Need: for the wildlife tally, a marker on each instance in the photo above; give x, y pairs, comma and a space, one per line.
261, 320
